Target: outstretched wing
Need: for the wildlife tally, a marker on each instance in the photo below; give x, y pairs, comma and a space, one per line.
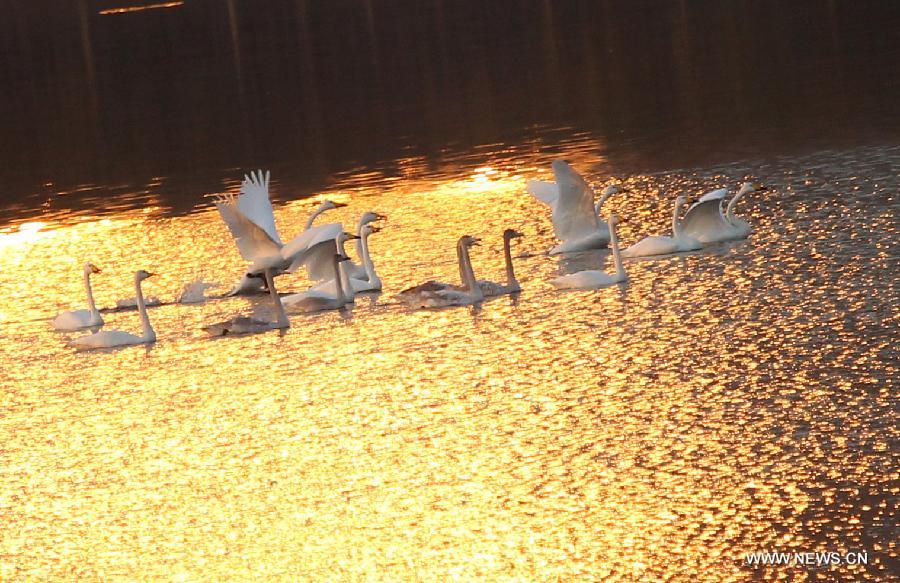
314, 249
546, 192
252, 241
254, 202
574, 216
703, 217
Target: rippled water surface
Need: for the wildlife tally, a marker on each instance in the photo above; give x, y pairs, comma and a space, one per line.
736, 399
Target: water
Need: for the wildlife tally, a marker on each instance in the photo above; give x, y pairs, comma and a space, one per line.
737, 399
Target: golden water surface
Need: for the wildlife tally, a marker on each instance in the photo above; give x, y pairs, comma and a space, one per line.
732, 400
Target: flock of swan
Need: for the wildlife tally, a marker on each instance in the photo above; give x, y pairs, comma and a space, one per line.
320, 250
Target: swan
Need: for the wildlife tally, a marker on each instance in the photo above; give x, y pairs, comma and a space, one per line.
662, 245
325, 206
575, 217
360, 271
350, 282
489, 288
250, 219
706, 222
78, 319
246, 325
328, 290
317, 303
194, 292
112, 338
593, 278
433, 294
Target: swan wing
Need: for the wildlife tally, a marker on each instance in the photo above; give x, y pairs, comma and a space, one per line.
253, 241
573, 214
253, 202
314, 249
703, 218
717, 194
546, 192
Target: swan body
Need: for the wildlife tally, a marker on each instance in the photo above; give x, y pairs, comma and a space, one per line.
368, 281
247, 325
132, 303
78, 319
321, 303
593, 278
433, 294
490, 288
708, 223
194, 292
250, 219
113, 338
329, 290
663, 245
573, 212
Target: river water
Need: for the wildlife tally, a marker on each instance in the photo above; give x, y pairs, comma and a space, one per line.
738, 399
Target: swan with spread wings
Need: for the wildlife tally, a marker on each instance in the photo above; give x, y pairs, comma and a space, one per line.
251, 221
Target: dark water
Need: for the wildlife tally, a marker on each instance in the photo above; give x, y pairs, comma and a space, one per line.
173, 101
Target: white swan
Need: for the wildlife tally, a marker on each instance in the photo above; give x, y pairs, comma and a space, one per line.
78, 319
322, 303
330, 289
592, 278
194, 292
662, 245
574, 215
359, 271
352, 283
706, 222
112, 338
250, 220
325, 206
246, 325
434, 294
490, 288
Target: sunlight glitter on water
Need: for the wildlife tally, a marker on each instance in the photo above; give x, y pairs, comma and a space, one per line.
722, 402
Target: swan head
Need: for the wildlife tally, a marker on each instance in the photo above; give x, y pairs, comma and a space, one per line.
469, 241
369, 229
91, 268
329, 204
613, 220
611, 190
143, 274
512, 234
749, 187
369, 217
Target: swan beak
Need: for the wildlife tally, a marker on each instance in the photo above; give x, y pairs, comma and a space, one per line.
338, 205
374, 229
95, 269
380, 216
151, 274
351, 237
761, 187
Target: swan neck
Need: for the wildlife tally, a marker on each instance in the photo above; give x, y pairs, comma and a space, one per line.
363, 250
511, 280
617, 254
148, 333
282, 319
313, 216
346, 284
338, 283
676, 224
90, 293
729, 210
465, 267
